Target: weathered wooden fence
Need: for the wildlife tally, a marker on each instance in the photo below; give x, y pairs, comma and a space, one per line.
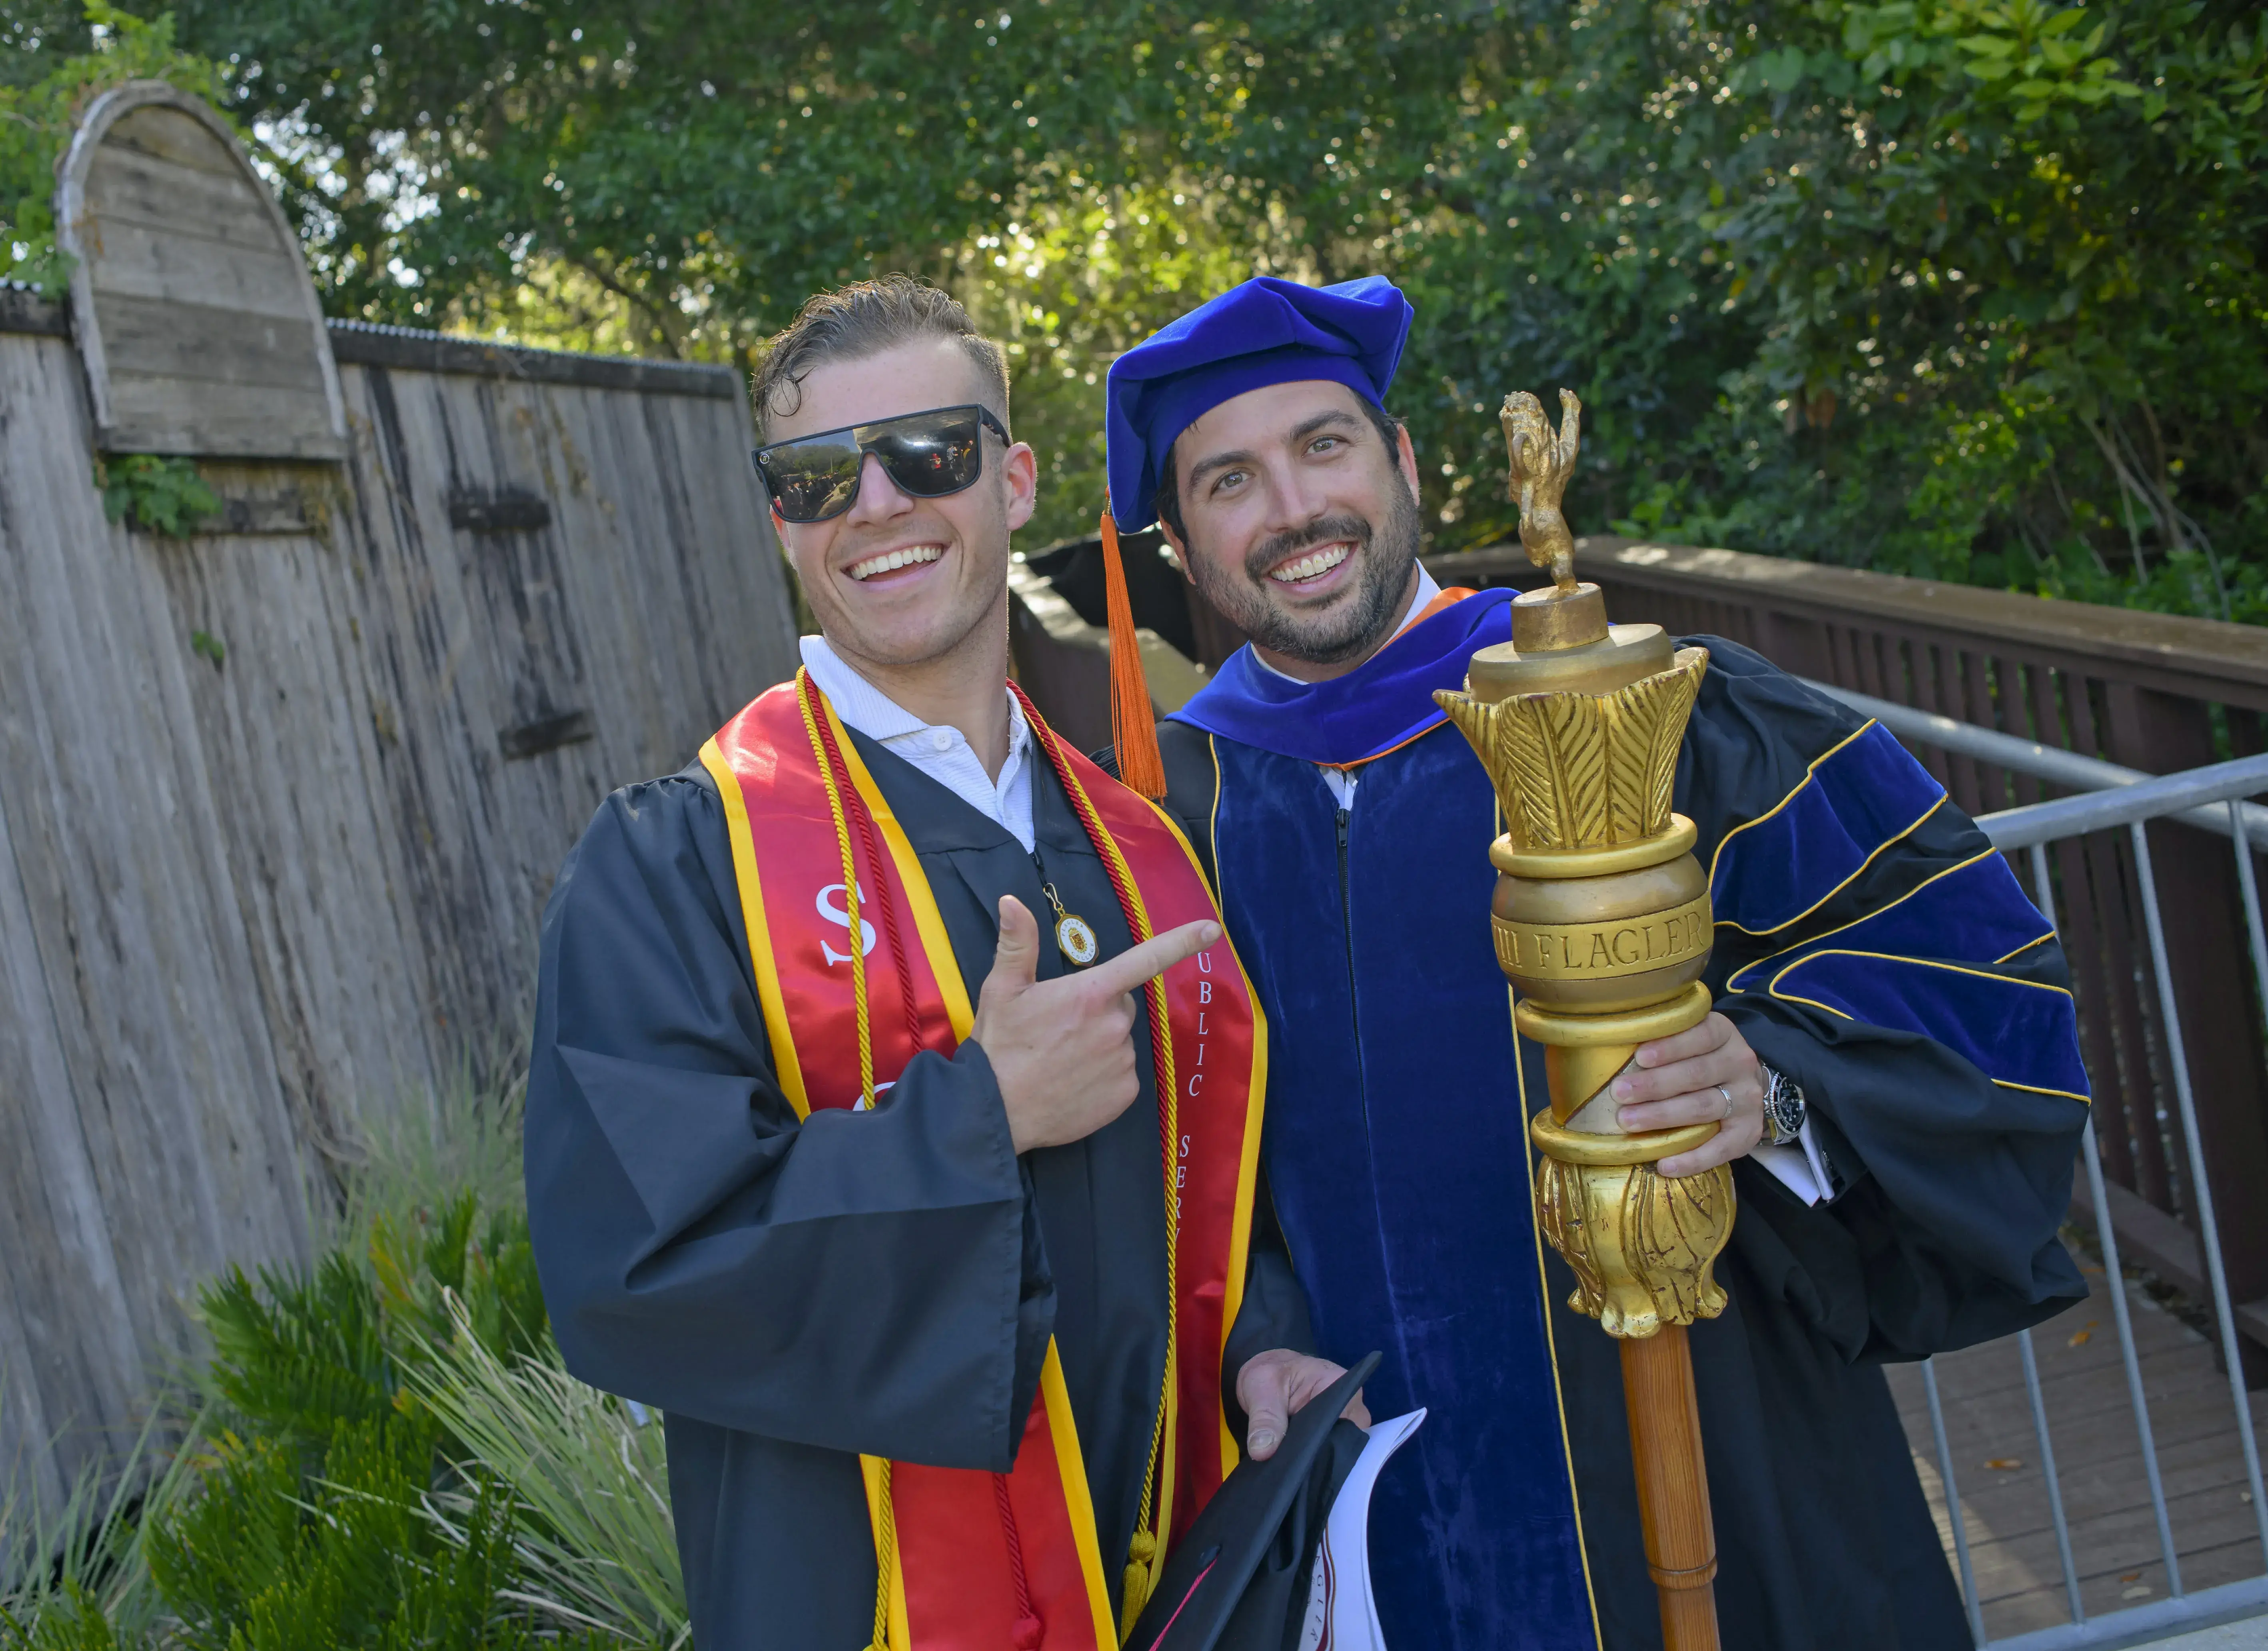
280, 801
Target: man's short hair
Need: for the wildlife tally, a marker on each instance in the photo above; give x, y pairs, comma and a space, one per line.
1168, 502
864, 319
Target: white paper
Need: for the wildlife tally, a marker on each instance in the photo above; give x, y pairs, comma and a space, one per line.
1799, 1166
1341, 1615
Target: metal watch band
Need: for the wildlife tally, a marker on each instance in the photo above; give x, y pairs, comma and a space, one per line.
1783, 1105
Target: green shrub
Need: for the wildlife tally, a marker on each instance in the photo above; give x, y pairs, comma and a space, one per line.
72, 1620
393, 1456
77, 1575
425, 1264
298, 1357
596, 1539
269, 1559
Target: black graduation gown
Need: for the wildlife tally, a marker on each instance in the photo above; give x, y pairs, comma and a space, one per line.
1398, 1182
790, 1295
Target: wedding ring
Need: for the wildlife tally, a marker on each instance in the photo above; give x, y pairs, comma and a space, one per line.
1727, 1094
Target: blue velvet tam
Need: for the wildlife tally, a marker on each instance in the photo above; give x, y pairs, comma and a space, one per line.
1267, 331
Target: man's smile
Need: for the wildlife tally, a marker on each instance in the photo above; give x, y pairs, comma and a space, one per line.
1309, 566
885, 562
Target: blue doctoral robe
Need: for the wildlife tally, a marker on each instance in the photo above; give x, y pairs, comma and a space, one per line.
1869, 944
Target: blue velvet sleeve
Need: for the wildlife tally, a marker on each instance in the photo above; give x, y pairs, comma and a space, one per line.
871, 1282
1871, 945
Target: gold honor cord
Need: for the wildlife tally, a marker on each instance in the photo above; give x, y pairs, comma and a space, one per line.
849, 887
886, 1524
1146, 1552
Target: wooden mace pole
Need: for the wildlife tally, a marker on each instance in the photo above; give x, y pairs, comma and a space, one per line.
1672, 1485
1603, 923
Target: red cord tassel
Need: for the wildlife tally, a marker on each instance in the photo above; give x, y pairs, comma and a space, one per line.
1133, 725
1028, 1634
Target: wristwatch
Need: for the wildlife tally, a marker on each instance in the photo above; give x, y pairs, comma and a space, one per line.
1783, 1106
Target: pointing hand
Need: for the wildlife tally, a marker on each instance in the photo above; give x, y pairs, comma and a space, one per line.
1062, 1050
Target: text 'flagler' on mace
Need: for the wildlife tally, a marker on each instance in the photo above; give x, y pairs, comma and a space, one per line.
1601, 919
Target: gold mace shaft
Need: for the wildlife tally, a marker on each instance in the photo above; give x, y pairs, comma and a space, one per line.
1603, 923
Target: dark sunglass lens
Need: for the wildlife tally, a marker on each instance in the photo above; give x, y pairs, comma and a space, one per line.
931, 454
813, 480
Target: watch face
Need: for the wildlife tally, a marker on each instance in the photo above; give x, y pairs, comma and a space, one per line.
1783, 1107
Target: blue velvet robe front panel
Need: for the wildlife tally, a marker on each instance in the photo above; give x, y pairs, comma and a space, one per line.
1397, 1152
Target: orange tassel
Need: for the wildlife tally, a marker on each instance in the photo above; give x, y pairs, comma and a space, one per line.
1133, 726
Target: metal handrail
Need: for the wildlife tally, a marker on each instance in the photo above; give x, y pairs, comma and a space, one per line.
2115, 797
2222, 782
2027, 756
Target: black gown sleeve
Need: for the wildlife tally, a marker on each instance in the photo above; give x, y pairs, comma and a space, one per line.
868, 1282
1956, 1183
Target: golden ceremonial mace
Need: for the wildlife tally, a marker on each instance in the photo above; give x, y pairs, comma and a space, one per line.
1601, 920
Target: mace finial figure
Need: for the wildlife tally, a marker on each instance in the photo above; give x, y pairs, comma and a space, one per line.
1540, 464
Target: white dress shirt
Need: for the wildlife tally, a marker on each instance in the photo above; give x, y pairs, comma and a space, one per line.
1796, 1166
941, 752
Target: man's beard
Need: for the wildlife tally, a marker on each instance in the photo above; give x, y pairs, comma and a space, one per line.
1349, 630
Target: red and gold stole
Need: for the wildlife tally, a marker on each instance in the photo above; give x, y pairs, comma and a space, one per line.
830, 887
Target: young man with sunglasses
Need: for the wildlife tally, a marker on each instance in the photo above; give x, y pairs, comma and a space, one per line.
1900, 1102
930, 1224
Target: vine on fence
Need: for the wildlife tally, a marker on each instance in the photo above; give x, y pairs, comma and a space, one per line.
157, 495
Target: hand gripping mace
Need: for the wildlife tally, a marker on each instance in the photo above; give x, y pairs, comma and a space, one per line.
1601, 919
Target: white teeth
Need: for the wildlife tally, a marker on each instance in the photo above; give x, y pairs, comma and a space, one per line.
1310, 565
894, 560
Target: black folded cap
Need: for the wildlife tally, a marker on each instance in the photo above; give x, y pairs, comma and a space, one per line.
1237, 1582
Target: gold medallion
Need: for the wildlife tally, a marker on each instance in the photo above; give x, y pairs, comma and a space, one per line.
1077, 941
1074, 935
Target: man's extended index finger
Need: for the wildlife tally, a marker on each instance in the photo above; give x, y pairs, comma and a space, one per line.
1154, 956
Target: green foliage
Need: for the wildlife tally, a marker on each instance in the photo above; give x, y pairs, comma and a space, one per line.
54, 61
456, 1271
75, 1577
396, 1456
301, 1357
157, 495
266, 1559
1970, 287
72, 1621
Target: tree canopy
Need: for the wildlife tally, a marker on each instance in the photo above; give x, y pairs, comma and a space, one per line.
1968, 288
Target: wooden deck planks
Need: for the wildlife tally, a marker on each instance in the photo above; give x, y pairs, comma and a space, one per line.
2099, 1463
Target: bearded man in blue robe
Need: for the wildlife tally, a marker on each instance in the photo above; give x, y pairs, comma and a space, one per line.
1893, 1059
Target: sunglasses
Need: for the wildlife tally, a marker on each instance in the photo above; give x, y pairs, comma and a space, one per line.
927, 455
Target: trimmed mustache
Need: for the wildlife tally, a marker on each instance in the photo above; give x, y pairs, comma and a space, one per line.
1322, 530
